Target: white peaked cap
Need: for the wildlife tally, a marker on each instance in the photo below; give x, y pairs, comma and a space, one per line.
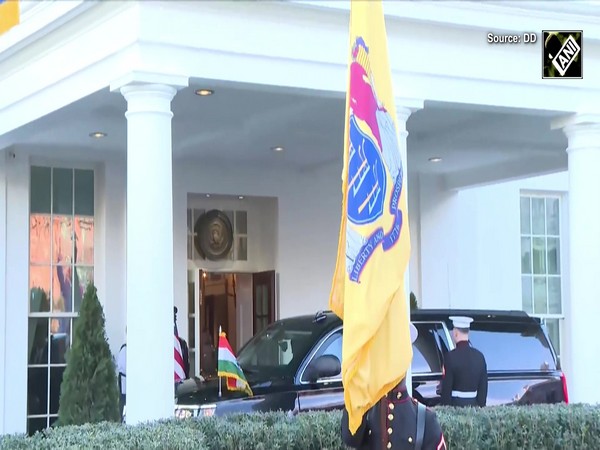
461, 321
413, 333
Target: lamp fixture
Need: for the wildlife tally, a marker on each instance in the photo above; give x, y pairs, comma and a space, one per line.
277, 149
435, 159
204, 92
207, 195
97, 134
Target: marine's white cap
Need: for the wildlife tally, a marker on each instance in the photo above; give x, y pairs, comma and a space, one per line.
461, 322
413, 333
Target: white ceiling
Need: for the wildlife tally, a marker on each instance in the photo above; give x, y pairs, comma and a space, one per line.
240, 124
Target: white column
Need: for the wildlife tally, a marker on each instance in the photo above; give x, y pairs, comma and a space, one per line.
3, 411
583, 305
16, 292
150, 363
404, 108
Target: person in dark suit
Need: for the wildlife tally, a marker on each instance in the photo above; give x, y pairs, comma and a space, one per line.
464, 380
396, 422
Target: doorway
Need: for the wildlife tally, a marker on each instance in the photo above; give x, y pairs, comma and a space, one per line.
239, 304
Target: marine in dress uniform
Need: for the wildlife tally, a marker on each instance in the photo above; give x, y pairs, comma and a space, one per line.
465, 381
391, 424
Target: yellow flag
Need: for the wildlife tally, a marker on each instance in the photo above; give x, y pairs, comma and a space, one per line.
9, 14
374, 244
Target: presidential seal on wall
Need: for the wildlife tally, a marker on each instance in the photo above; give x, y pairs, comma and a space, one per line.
214, 235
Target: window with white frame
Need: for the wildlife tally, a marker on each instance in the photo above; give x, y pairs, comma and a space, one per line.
540, 262
61, 264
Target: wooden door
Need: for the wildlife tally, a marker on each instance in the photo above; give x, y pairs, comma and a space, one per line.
263, 299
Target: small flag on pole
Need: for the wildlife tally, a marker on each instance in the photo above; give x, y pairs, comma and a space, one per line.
230, 368
179, 366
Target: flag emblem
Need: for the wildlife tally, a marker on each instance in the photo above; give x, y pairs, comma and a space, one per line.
374, 156
229, 367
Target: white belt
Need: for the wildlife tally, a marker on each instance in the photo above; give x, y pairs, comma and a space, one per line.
463, 394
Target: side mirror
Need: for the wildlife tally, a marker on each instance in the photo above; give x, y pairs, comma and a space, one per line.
325, 366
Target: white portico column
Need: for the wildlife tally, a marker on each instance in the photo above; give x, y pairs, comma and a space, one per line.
404, 108
150, 361
583, 134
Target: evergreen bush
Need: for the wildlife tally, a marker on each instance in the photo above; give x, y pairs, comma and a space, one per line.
535, 427
89, 392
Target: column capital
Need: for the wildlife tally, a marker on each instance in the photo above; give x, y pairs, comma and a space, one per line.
582, 130
406, 106
140, 78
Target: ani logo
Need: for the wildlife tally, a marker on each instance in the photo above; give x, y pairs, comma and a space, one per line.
374, 162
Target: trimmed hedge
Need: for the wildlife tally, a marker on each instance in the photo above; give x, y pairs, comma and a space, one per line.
493, 428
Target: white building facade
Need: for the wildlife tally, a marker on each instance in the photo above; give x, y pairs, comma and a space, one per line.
110, 153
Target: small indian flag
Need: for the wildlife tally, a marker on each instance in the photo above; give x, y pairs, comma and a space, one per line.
230, 369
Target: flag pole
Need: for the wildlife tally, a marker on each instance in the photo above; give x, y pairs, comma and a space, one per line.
218, 361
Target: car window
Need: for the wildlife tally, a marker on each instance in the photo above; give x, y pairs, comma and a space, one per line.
426, 349
332, 346
512, 346
278, 350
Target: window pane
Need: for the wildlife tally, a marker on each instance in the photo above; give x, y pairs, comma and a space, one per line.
38, 342
56, 374
426, 356
191, 333
36, 424
553, 327
84, 240
525, 255
552, 216
62, 233
62, 289
521, 346
539, 255
553, 256
83, 277
37, 391
59, 339
525, 215
62, 190
540, 304
554, 295
191, 297
39, 239
241, 222
40, 190
242, 250
84, 192
39, 282
527, 294
539, 216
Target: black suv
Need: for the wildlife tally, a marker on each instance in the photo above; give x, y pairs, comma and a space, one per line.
289, 364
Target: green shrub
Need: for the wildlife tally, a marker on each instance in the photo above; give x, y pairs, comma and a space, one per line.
543, 427
89, 392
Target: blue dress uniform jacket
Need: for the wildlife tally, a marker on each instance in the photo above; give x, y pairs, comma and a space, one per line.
465, 381
391, 424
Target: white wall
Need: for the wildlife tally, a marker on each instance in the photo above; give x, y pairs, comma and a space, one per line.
470, 242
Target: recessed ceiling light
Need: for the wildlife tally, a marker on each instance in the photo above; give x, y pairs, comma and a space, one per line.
277, 149
204, 92
241, 197
97, 134
207, 195
435, 159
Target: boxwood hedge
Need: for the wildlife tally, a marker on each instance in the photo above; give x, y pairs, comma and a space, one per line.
493, 428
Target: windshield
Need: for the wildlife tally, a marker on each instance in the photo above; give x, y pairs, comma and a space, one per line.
277, 351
